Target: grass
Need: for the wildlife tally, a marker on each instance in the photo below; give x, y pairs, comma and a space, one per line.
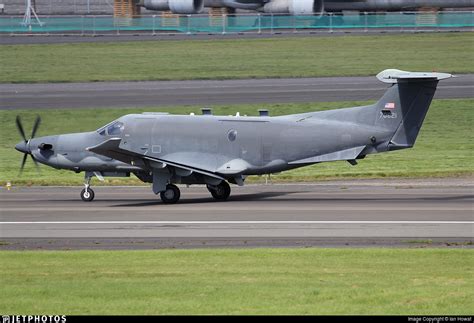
444, 148
254, 281
236, 58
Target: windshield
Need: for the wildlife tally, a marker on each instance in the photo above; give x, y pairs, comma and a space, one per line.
113, 129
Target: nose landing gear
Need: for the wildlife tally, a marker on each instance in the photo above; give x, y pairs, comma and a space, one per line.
87, 194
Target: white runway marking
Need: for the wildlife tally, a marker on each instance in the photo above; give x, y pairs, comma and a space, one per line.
240, 222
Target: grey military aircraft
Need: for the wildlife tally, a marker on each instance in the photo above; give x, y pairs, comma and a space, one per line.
165, 149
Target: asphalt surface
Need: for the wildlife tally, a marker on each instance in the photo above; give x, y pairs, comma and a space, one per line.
130, 36
208, 93
358, 213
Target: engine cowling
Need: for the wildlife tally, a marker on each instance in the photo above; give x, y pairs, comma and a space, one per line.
175, 6
294, 7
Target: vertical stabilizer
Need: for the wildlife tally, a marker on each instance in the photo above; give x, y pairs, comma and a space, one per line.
403, 107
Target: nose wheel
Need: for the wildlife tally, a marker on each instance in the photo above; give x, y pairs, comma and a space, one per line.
87, 194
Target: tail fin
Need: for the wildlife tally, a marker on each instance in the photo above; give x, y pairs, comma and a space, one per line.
403, 107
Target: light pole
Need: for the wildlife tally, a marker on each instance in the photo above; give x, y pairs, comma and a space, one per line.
27, 17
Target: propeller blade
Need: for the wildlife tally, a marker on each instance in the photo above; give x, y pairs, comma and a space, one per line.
23, 163
35, 126
19, 126
36, 163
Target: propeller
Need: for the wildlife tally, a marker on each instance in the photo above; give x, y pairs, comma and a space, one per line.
24, 146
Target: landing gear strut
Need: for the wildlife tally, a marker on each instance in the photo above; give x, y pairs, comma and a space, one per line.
171, 194
220, 192
87, 194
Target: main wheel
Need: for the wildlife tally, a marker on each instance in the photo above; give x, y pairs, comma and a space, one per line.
171, 194
220, 192
88, 195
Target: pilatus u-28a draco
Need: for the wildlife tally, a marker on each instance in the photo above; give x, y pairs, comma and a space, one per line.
165, 149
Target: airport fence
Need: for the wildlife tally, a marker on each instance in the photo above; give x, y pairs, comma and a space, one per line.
241, 23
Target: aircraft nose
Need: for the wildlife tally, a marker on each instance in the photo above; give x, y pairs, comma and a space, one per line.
22, 147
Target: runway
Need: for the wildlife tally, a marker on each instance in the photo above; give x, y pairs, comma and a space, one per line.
208, 93
348, 213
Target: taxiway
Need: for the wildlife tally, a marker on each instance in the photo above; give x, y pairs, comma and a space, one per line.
208, 93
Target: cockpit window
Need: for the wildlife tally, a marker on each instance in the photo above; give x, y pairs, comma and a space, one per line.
112, 129
115, 128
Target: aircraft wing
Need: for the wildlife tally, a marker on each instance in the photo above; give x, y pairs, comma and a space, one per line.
346, 154
111, 148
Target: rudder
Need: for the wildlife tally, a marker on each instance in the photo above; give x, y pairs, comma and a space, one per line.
403, 107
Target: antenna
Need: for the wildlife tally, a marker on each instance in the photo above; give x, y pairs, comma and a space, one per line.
27, 17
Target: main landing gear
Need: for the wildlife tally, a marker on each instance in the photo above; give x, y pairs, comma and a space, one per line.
171, 194
87, 194
220, 192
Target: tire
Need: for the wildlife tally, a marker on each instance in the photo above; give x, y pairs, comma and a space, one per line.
87, 196
220, 192
171, 195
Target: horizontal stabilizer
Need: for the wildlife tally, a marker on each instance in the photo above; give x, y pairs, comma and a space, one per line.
346, 154
393, 76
